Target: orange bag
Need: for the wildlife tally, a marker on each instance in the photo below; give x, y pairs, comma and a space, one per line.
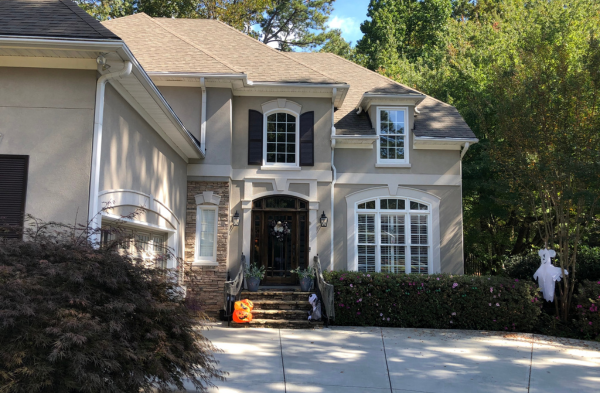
241, 316
248, 303
241, 305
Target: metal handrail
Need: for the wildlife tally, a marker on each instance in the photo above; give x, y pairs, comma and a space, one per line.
325, 292
232, 289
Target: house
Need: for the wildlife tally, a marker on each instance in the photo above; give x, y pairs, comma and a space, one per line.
221, 138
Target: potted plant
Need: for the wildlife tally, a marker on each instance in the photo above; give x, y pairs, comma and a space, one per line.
253, 275
306, 277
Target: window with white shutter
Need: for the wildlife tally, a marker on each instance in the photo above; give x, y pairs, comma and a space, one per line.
393, 236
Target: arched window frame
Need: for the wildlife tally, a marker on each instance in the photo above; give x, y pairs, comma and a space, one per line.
378, 193
286, 165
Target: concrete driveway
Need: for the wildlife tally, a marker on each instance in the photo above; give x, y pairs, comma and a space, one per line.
377, 360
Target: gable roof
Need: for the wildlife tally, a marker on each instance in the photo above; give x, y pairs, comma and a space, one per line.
208, 46
436, 120
50, 18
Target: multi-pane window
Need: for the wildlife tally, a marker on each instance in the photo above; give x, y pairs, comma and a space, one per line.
393, 236
139, 243
281, 139
392, 135
206, 234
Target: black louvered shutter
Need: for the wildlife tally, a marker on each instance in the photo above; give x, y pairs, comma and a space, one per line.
307, 139
13, 189
255, 138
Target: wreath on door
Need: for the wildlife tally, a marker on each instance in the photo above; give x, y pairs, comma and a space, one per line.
279, 230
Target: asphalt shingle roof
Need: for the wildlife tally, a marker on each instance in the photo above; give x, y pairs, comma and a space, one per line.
49, 18
436, 119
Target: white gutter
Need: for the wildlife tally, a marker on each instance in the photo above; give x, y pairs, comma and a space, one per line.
333, 179
303, 84
203, 123
94, 209
464, 150
198, 75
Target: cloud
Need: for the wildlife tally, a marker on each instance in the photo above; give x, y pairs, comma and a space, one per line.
349, 26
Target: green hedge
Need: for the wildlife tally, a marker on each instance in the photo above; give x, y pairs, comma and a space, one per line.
434, 301
587, 309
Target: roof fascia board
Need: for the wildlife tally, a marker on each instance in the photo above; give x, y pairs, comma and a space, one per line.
369, 99
61, 44
431, 143
48, 62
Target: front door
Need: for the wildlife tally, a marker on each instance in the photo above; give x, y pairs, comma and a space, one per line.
280, 238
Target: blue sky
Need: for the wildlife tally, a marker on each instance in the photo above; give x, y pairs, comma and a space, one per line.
347, 15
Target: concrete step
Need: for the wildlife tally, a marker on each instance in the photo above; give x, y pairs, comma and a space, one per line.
281, 305
275, 295
290, 315
279, 324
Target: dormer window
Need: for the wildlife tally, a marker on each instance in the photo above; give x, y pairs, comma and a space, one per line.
281, 146
392, 128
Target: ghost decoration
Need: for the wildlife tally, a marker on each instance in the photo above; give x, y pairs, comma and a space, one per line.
548, 274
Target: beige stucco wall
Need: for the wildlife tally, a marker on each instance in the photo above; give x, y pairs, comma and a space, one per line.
187, 104
450, 216
48, 114
135, 157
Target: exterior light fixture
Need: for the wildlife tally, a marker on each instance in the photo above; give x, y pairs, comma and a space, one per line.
324, 220
236, 219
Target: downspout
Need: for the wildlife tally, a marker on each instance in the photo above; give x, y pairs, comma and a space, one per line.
464, 150
334, 176
203, 123
94, 210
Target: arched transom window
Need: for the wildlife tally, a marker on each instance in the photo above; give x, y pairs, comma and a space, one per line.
393, 235
281, 139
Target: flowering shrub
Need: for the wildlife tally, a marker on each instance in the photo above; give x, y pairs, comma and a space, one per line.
587, 304
434, 301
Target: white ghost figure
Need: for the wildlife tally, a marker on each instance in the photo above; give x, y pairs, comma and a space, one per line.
548, 274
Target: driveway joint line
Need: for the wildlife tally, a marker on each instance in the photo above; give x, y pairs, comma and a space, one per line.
530, 363
386, 362
282, 364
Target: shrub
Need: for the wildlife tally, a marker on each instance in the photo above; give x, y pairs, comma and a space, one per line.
434, 301
74, 318
587, 309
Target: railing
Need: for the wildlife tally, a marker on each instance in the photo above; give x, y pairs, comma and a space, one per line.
232, 289
325, 292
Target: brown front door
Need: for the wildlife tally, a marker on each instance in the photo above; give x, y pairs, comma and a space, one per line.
280, 248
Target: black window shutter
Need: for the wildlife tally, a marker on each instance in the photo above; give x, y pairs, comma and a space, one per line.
307, 139
255, 138
13, 189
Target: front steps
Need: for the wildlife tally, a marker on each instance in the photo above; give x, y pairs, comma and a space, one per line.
279, 309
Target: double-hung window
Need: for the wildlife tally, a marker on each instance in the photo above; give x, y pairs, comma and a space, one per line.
149, 246
392, 128
206, 234
281, 142
393, 236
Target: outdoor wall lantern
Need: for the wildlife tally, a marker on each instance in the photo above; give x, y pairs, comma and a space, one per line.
236, 219
324, 220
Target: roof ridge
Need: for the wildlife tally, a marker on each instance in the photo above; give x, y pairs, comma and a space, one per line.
273, 49
191, 43
76, 10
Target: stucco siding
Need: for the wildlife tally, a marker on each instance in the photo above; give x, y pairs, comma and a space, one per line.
218, 127
187, 104
48, 114
135, 157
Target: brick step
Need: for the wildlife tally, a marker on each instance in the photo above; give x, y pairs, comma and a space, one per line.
275, 295
281, 305
290, 315
279, 324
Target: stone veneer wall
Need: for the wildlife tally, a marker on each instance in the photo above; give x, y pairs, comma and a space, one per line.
205, 283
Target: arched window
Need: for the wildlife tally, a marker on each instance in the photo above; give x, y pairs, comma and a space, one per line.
393, 235
281, 139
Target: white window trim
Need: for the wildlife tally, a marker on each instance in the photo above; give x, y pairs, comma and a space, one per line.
198, 260
433, 201
407, 213
405, 163
279, 165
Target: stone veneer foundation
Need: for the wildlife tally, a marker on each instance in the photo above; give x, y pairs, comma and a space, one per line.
205, 283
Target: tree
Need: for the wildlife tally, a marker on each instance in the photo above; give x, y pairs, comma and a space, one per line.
548, 139
336, 44
296, 23
402, 28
